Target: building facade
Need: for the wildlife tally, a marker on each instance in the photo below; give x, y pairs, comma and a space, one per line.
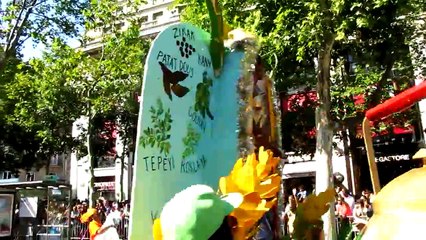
113, 173
299, 143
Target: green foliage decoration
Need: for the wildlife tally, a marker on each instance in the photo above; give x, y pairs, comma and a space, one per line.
190, 141
159, 134
202, 97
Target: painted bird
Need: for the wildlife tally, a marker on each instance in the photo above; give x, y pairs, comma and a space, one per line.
171, 82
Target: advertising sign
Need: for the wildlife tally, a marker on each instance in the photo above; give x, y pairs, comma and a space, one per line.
188, 122
28, 207
6, 214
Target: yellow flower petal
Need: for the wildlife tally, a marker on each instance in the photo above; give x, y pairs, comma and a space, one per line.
270, 187
315, 206
271, 203
238, 165
246, 177
156, 230
255, 179
251, 201
227, 185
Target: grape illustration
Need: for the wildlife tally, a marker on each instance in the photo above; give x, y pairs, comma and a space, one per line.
186, 49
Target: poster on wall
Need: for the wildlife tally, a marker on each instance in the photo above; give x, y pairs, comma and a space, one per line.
188, 122
28, 207
6, 214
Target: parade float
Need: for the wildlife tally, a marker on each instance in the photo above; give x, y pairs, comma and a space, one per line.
207, 154
399, 208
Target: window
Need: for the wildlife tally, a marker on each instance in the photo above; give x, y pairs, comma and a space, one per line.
30, 176
54, 160
157, 15
5, 175
144, 19
181, 8
57, 159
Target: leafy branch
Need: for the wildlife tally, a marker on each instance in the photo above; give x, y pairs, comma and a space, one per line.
159, 134
190, 141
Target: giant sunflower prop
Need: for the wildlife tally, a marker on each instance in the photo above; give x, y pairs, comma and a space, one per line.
246, 194
257, 181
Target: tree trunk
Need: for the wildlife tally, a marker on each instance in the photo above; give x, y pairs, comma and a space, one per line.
91, 159
324, 137
122, 166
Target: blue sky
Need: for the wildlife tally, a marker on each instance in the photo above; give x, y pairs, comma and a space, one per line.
35, 51
30, 51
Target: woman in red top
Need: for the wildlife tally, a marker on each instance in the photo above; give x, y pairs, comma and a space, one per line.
343, 210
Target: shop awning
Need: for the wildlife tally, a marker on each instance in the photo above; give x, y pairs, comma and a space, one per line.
299, 169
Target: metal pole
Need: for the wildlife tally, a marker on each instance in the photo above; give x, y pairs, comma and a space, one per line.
370, 155
69, 213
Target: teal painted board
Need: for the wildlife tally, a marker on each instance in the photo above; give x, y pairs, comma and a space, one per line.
188, 122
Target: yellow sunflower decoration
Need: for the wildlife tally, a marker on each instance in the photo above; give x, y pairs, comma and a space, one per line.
257, 181
246, 194
308, 214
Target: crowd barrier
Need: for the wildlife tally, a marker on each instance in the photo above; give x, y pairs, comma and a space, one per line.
80, 231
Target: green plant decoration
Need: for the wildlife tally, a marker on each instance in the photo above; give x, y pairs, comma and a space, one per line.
159, 134
190, 141
219, 31
202, 97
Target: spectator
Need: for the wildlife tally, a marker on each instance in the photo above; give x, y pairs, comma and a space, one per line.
348, 198
343, 210
290, 214
95, 224
301, 195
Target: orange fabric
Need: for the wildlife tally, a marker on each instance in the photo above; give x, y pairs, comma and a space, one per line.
93, 228
86, 216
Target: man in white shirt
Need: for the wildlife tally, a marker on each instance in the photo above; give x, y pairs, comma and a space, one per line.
348, 198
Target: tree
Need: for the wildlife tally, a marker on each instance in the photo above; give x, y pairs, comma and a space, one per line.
40, 102
310, 43
50, 93
40, 22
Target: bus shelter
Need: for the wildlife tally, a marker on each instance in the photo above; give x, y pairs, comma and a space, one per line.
40, 210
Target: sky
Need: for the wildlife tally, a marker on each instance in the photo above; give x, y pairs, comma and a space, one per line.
30, 51
35, 51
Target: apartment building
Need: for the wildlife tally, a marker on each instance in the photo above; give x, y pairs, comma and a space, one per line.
59, 166
113, 175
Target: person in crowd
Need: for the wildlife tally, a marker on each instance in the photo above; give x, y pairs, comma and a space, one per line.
100, 206
360, 211
368, 208
370, 196
290, 214
84, 207
347, 197
360, 217
343, 210
75, 213
95, 225
126, 209
302, 193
